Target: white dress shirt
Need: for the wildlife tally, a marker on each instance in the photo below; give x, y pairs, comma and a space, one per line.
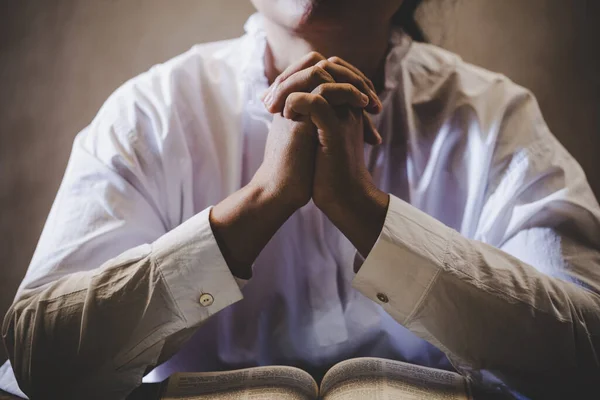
488, 260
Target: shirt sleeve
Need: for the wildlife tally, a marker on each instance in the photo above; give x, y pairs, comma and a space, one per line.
112, 290
485, 308
520, 300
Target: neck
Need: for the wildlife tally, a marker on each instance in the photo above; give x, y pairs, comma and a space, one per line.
366, 49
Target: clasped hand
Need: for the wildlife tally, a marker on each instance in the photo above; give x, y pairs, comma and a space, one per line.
315, 147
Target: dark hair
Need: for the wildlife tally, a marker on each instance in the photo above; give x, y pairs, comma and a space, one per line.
405, 18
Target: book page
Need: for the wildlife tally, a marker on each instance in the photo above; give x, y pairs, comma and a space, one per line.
379, 379
270, 383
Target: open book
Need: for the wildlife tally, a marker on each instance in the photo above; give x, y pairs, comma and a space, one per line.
355, 379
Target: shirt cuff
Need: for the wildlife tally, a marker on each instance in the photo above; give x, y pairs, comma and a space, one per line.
196, 274
403, 264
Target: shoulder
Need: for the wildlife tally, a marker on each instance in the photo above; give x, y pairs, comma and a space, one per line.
435, 73
441, 86
173, 86
503, 116
494, 128
158, 105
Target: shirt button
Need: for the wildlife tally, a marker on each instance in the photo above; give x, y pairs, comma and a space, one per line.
206, 299
382, 298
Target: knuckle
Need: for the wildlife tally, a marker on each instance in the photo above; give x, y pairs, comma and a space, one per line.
290, 99
315, 56
316, 100
322, 89
323, 64
335, 59
313, 71
292, 102
349, 90
348, 87
295, 98
318, 73
319, 90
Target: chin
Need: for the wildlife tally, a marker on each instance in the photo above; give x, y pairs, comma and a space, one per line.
302, 15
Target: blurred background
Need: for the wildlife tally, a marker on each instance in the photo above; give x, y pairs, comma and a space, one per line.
60, 59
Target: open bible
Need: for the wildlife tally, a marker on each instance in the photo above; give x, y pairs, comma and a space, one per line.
355, 379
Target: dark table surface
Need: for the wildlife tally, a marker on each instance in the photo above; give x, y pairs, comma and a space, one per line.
148, 391
6, 396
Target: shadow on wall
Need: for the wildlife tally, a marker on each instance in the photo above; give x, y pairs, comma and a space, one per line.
59, 62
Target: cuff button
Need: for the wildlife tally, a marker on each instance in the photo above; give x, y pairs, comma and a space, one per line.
206, 299
382, 298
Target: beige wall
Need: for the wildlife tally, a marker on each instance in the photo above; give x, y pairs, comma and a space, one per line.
550, 46
59, 59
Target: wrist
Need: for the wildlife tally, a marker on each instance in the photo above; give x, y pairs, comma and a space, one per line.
359, 214
366, 200
279, 200
287, 197
244, 222
340, 196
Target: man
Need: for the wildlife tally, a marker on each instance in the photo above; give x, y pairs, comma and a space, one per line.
184, 236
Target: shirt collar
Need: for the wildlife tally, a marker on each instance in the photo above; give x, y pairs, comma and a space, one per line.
400, 43
254, 25
253, 69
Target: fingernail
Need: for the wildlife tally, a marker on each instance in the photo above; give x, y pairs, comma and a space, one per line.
364, 99
376, 101
268, 99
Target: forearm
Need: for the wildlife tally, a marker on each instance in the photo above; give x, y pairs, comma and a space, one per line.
485, 308
66, 334
244, 223
538, 333
104, 327
359, 215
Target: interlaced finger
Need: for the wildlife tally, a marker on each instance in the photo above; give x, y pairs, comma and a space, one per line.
344, 63
307, 61
294, 78
342, 94
305, 80
311, 105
